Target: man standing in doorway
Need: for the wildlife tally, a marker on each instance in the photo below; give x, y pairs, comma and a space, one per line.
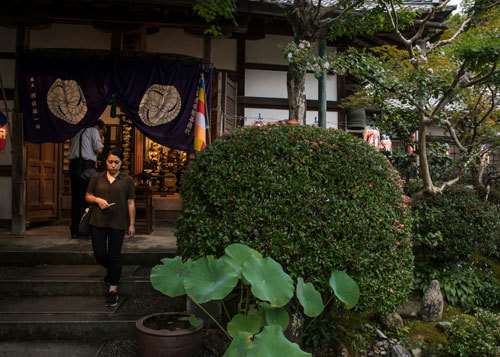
88, 143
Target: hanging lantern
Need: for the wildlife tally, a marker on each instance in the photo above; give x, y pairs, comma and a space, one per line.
411, 146
356, 119
386, 143
372, 136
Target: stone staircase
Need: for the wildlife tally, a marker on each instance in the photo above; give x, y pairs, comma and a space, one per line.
52, 300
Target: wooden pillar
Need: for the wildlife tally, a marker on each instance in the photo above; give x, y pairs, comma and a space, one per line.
18, 223
207, 64
341, 94
240, 69
322, 84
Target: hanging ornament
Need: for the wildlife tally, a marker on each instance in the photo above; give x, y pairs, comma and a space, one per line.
372, 136
386, 143
411, 144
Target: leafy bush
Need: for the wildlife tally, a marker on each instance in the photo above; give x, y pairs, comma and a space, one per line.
455, 224
466, 284
316, 200
478, 336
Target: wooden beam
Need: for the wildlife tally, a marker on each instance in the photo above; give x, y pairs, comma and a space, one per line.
266, 67
282, 103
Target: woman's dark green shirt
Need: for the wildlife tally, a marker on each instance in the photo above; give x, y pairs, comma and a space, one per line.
121, 190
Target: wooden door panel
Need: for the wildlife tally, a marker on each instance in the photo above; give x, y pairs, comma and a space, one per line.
42, 182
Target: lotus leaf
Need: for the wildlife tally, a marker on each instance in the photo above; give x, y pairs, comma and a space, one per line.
309, 298
168, 277
269, 281
237, 254
345, 288
243, 323
277, 316
271, 342
210, 279
239, 345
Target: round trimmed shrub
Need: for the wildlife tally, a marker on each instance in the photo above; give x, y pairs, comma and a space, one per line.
316, 200
456, 224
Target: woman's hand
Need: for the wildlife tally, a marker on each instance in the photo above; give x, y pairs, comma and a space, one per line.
131, 230
102, 203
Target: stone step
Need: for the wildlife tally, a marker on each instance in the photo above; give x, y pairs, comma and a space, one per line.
51, 348
76, 317
33, 258
68, 280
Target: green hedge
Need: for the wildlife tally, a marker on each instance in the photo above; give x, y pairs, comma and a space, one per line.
455, 224
315, 200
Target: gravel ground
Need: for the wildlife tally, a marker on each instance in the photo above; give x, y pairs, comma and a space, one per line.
119, 348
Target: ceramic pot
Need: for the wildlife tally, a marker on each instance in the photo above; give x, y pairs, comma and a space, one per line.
155, 338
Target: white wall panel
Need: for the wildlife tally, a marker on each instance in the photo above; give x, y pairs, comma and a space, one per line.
266, 50
70, 36
274, 115
175, 41
8, 39
224, 54
272, 84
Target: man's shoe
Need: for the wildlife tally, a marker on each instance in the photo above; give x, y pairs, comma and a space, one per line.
112, 299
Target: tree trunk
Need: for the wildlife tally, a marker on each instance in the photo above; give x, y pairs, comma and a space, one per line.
296, 86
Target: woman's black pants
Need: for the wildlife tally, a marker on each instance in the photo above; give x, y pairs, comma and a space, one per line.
107, 245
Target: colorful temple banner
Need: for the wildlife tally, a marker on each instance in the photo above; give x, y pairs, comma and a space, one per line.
3, 130
200, 124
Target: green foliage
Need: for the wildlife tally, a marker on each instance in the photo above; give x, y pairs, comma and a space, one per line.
475, 336
213, 10
320, 333
208, 279
302, 55
317, 200
460, 220
369, 22
463, 284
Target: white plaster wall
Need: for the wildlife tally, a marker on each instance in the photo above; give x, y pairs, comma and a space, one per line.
269, 50
224, 54
7, 39
70, 36
272, 84
266, 50
274, 115
175, 41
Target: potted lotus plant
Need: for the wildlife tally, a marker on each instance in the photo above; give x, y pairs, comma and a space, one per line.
257, 327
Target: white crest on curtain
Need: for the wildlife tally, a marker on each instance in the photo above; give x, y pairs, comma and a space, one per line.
159, 105
66, 101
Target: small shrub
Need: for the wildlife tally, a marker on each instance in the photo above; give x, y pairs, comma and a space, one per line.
468, 285
477, 336
455, 224
317, 200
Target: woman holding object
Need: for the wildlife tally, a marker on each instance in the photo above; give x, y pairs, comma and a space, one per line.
113, 193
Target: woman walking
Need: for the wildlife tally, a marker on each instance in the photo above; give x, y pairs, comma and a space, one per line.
112, 192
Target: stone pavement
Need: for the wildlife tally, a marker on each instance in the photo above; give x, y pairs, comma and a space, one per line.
56, 238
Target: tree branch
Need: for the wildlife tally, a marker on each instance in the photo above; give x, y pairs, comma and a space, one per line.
453, 135
482, 79
451, 39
